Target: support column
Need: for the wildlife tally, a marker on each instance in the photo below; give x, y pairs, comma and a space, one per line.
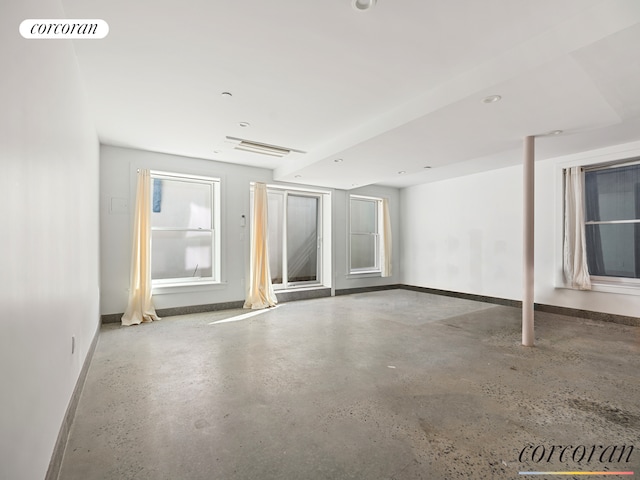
528, 337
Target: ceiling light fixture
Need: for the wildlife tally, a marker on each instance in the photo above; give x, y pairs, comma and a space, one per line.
338, 160
298, 176
555, 132
226, 94
492, 99
401, 172
427, 166
363, 5
244, 124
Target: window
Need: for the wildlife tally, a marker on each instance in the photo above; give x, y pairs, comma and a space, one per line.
365, 218
297, 253
612, 221
185, 233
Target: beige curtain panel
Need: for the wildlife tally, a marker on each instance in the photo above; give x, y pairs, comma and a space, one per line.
576, 271
140, 308
260, 294
386, 239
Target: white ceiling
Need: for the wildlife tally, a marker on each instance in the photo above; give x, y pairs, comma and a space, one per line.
397, 88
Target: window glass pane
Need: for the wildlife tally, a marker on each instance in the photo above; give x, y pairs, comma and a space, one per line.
276, 217
614, 250
302, 238
363, 251
363, 216
181, 254
181, 204
364, 238
613, 194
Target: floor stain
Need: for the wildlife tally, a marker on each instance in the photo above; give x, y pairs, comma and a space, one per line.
608, 412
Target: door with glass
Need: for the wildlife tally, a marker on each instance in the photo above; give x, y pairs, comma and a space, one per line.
294, 238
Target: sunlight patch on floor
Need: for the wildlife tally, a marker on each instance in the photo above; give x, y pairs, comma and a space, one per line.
244, 316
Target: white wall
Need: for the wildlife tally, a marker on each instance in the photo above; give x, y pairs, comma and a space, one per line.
465, 235
49, 245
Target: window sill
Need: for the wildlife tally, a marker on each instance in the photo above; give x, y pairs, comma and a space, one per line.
191, 287
604, 287
621, 288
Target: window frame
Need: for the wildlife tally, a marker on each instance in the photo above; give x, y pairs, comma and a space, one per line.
377, 269
286, 284
324, 229
604, 284
611, 279
214, 184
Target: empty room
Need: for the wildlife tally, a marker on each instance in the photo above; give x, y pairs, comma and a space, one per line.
364, 239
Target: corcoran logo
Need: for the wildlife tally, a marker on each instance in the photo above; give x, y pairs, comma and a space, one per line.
580, 455
64, 29
569, 453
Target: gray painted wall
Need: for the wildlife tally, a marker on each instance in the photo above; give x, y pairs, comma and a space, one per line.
341, 235
118, 168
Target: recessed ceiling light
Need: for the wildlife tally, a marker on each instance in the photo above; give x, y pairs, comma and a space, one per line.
354, 184
492, 99
298, 176
226, 94
363, 5
555, 132
244, 124
338, 160
427, 166
401, 172
216, 151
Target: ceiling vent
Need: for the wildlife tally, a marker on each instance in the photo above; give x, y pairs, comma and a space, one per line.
261, 148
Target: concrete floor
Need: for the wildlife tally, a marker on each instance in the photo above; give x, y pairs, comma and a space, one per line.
385, 385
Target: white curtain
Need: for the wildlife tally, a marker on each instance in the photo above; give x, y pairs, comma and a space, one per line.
140, 308
385, 239
260, 294
576, 271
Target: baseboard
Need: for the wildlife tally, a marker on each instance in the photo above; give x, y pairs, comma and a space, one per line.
173, 311
295, 295
379, 288
211, 307
540, 307
111, 318
466, 296
589, 314
291, 296
61, 442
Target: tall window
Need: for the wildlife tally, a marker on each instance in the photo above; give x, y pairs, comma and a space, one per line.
365, 217
612, 220
185, 234
295, 237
